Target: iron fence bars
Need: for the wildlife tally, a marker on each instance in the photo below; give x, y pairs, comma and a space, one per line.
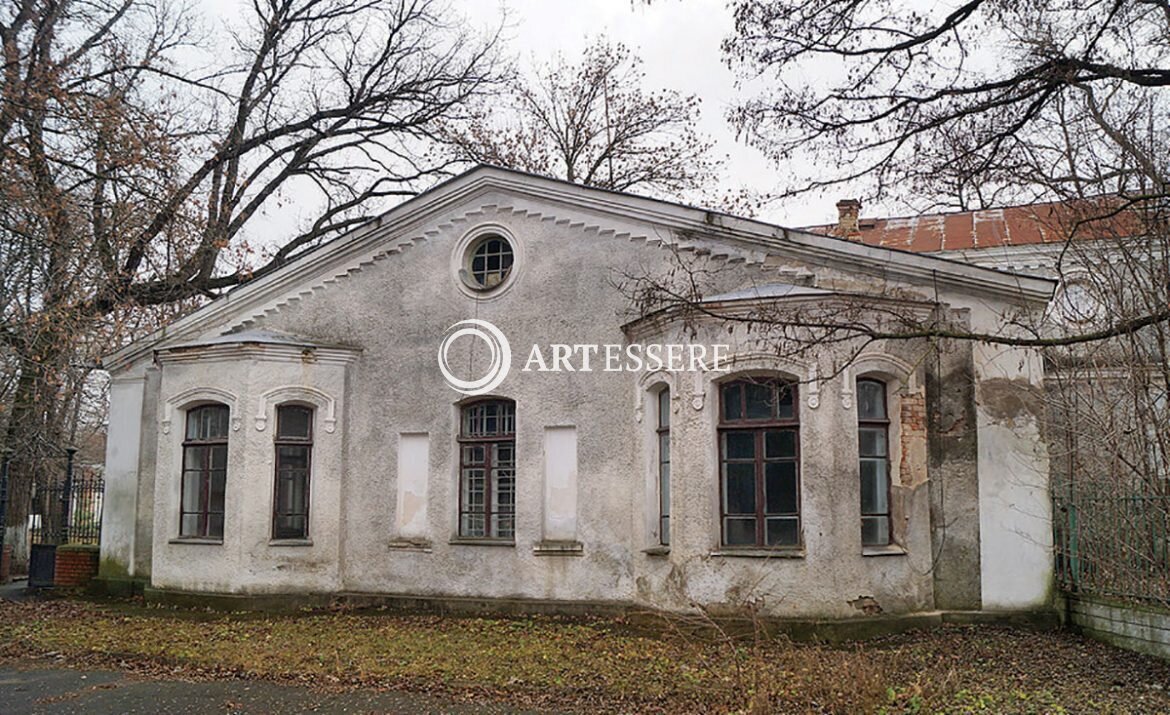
1114, 541
68, 510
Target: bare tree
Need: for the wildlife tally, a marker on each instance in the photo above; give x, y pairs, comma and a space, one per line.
915, 100
593, 123
138, 152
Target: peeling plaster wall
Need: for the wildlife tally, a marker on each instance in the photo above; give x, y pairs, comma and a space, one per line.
954, 476
832, 575
396, 309
1015, 507
248, 560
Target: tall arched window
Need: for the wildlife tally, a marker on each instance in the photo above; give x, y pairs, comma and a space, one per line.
664, 466
759, 463
294, 459
201, 507
873, 430
487, 470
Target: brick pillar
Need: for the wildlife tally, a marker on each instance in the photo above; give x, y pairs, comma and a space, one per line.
76, 565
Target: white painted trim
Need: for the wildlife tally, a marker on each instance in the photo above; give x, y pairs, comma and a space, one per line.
889, 365
648, 383
181, 401
312, 395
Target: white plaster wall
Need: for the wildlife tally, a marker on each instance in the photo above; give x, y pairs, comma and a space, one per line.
120, 502
414, 469
1015, 506
397, 310
248, 560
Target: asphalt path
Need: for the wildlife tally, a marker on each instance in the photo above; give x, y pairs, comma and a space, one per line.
33, 688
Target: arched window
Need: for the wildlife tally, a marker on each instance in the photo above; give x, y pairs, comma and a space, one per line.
873, 433
487, 470
664, 466
201, 507
294, 459
759, 463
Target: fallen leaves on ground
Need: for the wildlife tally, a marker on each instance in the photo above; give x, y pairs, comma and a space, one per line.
599, 665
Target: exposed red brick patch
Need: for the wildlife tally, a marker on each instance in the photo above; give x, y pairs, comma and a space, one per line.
75, 567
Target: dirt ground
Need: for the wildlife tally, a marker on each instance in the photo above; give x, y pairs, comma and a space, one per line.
593, 665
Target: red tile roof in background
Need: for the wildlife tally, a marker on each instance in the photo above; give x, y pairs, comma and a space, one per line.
1014, 226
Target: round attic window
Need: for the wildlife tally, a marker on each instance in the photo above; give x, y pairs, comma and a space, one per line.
489, 261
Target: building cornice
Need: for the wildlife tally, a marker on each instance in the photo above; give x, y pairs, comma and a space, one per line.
257, 352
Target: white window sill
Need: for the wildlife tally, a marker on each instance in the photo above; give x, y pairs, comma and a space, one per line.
891, 550
420, 545
476, 541
290, 542
731, 551
558, 548
196, 540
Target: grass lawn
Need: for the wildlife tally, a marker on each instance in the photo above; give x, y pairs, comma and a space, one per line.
602, 665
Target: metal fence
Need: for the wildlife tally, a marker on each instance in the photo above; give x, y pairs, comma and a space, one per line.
65, 504
69, 510
1114, 541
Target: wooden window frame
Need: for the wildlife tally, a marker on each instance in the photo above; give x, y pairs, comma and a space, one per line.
281, 440
663, 432
206, 446
884, 425
759, 427
487, 442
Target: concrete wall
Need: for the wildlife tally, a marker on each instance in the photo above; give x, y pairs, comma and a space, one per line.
1145, 630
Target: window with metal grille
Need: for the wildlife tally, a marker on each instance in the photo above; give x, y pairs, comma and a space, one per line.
491, 261
759, 463
201, 509
294, 460
873, 431
487, 470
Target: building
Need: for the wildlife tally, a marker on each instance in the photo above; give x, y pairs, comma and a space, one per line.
301, 437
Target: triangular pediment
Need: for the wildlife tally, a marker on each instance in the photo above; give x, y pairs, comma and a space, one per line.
490, 191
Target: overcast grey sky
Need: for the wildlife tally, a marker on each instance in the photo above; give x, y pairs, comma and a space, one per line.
678, 42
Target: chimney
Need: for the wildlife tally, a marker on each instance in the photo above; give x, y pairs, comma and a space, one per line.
848, 219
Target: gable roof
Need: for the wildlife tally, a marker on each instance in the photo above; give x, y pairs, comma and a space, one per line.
691, 229
1051, 222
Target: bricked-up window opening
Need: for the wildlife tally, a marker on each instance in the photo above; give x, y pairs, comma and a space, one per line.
664, 466
759, 463
491, 261
487, 470
204, 472
294, 459
873, 430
